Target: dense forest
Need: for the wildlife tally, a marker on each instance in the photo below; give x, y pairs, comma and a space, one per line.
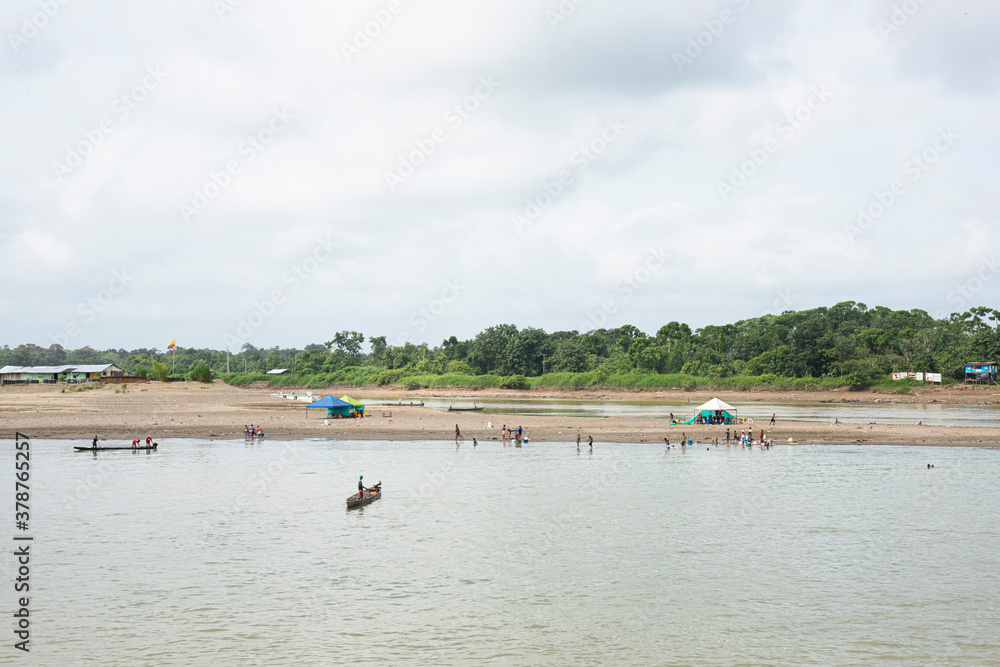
844, 345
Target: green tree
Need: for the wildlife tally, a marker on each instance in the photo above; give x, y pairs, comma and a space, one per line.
489, 346
348, 342
201, 373
161, 371
569, 356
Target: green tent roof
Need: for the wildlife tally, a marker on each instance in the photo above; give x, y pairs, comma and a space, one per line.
354, 402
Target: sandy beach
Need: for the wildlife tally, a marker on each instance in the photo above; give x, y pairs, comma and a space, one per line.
189, 409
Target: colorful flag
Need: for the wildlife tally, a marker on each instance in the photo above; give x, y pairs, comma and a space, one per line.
172, 345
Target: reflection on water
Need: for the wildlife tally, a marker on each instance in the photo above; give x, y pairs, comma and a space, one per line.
898, 413
226, 553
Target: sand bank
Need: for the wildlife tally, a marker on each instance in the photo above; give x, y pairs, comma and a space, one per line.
189, 409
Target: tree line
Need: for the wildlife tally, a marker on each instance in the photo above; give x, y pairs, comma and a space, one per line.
848, 343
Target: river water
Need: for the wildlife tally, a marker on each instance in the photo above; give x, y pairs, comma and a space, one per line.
226, 553
933, 414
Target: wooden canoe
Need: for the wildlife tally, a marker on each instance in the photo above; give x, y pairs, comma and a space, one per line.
116, 449
451, 409
357, 501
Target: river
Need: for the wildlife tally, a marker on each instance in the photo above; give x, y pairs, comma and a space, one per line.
932, 414
227, 553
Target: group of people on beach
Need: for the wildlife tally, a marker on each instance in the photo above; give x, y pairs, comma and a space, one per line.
252, 431
512, 433
745, 439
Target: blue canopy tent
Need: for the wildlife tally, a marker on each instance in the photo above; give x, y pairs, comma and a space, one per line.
334, 406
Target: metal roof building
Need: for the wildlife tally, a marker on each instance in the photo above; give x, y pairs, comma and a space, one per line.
51, 374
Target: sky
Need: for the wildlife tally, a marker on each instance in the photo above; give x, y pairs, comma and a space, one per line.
223, 172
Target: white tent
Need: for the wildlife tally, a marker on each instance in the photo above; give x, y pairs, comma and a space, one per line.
716, 404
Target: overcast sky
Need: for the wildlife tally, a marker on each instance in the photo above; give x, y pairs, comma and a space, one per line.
226, 172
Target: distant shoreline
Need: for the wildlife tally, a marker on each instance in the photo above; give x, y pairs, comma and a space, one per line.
194, 410
950, 395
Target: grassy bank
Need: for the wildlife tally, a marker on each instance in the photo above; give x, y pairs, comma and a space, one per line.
359, 376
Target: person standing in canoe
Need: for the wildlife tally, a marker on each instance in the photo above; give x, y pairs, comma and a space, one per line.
95, 442
361, 487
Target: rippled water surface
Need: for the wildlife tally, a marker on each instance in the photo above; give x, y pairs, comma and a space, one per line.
934, 414
225, 553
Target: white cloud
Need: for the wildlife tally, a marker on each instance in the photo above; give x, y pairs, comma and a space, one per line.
452, 219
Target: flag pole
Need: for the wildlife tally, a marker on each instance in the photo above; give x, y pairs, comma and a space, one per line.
173, 363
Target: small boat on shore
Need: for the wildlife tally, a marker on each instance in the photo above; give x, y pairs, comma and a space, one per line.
478, 409
357, 501
144, 448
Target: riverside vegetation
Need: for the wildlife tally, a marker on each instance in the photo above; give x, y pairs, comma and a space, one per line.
847, 344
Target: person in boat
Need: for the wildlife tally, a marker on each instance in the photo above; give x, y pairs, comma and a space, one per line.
135, 443
94, 445
149, 440
361, 487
